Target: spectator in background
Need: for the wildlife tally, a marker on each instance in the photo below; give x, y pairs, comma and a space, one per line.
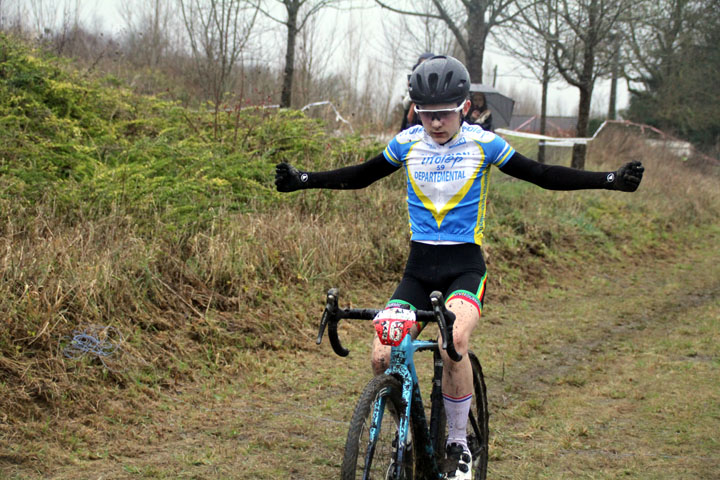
409, 118
479, 114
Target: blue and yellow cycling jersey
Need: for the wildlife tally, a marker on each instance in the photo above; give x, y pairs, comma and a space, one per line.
447, 185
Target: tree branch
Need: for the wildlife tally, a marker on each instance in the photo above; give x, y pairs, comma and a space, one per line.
258, 5
405, 12
313, 10
452, 26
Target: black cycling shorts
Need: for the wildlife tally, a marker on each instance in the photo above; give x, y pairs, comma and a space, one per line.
455, 270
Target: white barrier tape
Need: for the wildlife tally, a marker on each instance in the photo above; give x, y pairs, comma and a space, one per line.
680, 147
549, 141
338, 117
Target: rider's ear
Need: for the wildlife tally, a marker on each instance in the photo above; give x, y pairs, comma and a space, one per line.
466, 107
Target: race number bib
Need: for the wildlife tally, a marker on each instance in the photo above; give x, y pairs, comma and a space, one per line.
393, 324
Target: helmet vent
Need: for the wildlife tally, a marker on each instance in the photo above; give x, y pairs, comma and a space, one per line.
448, 80
433, 83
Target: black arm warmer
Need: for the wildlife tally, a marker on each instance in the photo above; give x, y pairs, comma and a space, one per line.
354, 177
554, 177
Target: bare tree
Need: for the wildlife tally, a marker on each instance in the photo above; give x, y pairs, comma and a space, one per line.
372, 72
218, 30
425, 34
44, 16
393, 62
59, 25
54, 23
674, 68
533, 30
146, 30
297, 14
584, 31
352, 66
616, 42
10, 15
662, 30
470, 21
312, 62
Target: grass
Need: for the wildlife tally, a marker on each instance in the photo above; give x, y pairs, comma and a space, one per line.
581, 399
143, 221
582, 384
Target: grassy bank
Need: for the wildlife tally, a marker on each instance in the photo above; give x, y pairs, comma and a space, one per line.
603, 371
132, 212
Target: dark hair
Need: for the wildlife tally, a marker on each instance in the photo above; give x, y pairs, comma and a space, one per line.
422, 58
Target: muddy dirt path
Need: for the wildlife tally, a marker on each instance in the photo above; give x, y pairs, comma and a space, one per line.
605, 371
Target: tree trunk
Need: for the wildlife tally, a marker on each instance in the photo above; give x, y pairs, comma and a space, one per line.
543, 103
156, 37
286, 96
579, 150
477, 32
475, 59
585, 85
543, 120
612, 108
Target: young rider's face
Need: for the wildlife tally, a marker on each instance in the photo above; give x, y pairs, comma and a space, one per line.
442, 121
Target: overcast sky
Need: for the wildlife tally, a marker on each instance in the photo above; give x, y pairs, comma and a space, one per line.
368, 22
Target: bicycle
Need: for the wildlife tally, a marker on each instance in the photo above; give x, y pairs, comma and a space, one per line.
406, 448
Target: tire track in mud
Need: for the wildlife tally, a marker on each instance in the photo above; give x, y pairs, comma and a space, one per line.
596, 335
619, 325
598, 341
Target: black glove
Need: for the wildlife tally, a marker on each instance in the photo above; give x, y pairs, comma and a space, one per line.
289, 178
627, 178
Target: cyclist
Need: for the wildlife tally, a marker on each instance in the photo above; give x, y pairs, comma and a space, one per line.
447, 166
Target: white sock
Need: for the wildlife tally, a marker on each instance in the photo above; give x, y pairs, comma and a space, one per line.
457, 411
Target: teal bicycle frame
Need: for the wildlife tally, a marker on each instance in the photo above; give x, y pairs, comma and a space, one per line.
401, 367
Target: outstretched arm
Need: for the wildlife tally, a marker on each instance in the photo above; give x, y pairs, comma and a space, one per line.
289, 178
555, 177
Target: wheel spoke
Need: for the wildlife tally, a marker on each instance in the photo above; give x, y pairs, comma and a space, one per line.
370, 451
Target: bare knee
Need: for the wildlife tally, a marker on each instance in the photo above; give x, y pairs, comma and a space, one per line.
467, 318
461, 343
380, 357
461, 346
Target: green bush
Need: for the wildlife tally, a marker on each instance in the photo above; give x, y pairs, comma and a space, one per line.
95, 147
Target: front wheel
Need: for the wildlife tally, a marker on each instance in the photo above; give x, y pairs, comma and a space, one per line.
376, 458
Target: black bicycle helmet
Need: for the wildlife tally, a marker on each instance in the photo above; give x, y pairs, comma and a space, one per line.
441, 79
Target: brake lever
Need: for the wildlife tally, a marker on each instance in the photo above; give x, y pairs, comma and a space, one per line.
446, 329
331, 317
330, 312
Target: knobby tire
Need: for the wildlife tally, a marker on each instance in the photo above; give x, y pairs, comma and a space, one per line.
358, 434
478, 442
